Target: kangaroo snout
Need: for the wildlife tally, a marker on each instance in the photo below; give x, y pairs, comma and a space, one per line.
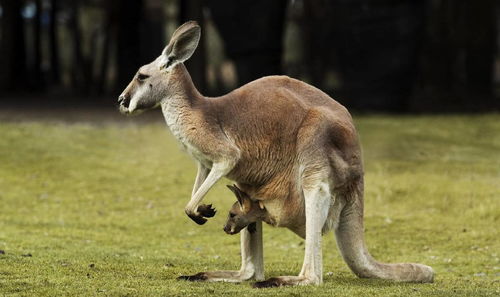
230, 230
124, 100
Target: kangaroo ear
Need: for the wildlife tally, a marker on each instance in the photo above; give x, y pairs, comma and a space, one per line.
182, 44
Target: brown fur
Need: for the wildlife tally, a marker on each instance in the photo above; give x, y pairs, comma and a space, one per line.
286, 144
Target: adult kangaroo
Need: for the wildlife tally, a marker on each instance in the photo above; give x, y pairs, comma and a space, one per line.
285, 143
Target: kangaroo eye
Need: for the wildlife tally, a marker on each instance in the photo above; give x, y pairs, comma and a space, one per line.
142, 77
232, 215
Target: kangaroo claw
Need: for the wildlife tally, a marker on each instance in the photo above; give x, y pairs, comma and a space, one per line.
206, 210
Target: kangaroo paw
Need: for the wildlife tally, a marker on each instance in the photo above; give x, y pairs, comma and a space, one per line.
194, 278
206, 210
197, 219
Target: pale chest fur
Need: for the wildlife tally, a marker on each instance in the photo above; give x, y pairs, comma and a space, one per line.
179, 122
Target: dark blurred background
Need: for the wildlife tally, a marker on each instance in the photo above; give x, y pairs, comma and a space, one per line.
370, 55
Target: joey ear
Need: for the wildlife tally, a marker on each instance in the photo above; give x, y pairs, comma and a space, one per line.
182, 44
236, 192
243, 199
233, 189
245, 204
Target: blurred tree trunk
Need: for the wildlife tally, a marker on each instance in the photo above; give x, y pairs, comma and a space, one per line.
80, 67
102, 75
377, 45
153, 30
107, 30
458, 57
440, 46
193, 10
37, 67
317, 25
12, 51
252, 31
480, 47
128, 36
53, 43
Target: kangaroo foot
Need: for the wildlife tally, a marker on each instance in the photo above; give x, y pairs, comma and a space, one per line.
285, 281
269, 283
232, 276
194, 278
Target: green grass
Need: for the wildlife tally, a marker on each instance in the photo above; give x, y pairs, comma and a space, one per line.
96, 209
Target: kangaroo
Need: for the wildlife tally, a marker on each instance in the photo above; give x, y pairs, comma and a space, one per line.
285, 143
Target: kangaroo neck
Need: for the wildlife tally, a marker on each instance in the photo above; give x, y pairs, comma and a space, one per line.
182, 90
178, 106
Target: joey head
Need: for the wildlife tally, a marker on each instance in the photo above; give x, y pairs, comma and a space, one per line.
243, 213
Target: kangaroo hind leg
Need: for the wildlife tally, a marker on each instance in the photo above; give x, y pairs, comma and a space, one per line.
252, 261
317, 200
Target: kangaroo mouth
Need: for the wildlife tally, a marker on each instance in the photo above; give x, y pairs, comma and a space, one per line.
231, 231
128, 111
123, 109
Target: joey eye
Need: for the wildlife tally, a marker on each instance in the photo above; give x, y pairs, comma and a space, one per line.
232, 215
142, 77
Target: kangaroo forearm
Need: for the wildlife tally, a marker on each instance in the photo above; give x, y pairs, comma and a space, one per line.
201, 175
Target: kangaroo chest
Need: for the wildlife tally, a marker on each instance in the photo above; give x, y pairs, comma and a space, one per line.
178, 121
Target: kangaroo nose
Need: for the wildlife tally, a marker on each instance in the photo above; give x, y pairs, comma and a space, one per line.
123, 100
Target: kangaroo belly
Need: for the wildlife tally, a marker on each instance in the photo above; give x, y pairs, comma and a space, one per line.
282, 199
264, 161
292, 216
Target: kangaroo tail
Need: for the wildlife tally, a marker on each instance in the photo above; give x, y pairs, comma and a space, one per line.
350, 240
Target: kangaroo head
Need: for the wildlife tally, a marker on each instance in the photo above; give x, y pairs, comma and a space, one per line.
243, 212
158, 80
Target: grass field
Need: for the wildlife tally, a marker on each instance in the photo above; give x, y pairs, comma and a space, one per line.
96, 209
